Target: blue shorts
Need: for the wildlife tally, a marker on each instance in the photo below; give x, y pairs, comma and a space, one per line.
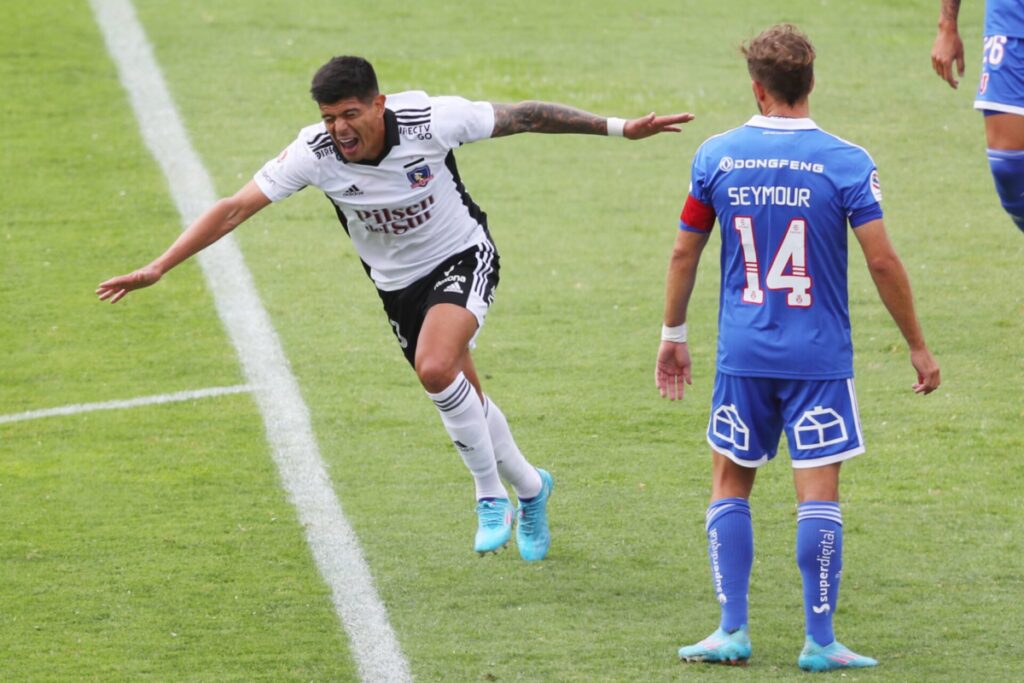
820, 418
1001, 88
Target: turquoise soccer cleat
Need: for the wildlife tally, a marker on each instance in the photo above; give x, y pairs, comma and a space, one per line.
532, 534
721, 647
494, 525
833, 656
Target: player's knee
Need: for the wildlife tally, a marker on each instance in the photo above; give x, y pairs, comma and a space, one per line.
436, 374
1008, 173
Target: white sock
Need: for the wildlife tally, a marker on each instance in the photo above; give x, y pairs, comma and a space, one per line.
463, 417
513, 467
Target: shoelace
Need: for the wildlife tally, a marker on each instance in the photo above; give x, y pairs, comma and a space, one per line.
526, 517
491, 514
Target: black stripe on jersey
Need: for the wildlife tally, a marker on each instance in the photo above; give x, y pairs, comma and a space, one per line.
319, 141
399, 112
414, 162
344, 224
341, 214
412, 122
474, 211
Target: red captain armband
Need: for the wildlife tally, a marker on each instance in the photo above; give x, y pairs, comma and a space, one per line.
696, 215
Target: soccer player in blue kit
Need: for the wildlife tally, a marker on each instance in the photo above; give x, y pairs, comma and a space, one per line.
782, 191
1000, 94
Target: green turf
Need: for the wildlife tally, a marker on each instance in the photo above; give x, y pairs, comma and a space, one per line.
932, 512
150, 544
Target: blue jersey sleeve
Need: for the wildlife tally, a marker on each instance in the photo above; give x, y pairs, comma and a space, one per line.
698, 214
862, 198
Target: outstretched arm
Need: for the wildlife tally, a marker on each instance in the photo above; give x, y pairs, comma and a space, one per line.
948, 48
548, 117
220, 219
894, 289
672, 369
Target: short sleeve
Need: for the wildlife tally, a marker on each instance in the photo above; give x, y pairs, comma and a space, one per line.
458, 120
288, 173
862, 198
698, 214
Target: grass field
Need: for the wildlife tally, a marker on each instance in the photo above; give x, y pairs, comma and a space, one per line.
156, 543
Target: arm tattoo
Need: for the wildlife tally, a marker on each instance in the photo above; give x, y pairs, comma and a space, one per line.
545, 117
950, 9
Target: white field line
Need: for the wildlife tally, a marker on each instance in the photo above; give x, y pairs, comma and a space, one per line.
126, 403
331, 539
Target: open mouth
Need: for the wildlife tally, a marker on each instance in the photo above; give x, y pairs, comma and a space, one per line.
347, 145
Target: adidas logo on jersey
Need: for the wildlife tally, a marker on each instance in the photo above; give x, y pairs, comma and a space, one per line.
352, 191
454, 287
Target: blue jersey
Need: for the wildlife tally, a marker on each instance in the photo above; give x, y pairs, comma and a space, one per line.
1004, 18
782, 191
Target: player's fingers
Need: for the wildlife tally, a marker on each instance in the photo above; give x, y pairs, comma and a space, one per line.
960, 64
947, 73
118, 296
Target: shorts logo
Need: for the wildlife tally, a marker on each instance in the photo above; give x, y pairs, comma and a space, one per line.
819, 428
452, 283
727, 425
725, 165
419, 176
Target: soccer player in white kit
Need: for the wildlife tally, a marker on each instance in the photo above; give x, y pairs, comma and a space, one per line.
386, 162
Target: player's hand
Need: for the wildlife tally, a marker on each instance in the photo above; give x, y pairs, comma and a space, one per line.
672, 371
115, 288
927, 371
948, 48
646, 126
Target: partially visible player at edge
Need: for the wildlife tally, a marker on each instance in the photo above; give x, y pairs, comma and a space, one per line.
782, 191
1000, 91
386, 163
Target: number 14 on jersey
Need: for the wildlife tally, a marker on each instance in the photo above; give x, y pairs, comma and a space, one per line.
791, 256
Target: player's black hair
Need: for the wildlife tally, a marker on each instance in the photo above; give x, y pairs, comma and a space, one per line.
342, 78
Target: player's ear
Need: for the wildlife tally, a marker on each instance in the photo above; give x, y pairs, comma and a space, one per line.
759, 94
378, 104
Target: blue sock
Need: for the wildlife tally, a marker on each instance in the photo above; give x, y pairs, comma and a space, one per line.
731, 549
819, 555
1008, 172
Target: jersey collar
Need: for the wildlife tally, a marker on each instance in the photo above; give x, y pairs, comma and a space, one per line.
391, 139
781, 123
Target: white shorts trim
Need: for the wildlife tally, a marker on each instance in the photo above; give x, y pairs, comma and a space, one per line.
749, 464
982, 105
827, 460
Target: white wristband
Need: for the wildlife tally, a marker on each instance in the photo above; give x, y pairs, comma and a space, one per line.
616, 127
674, 334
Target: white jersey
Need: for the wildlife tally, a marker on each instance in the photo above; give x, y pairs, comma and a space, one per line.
409, 211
